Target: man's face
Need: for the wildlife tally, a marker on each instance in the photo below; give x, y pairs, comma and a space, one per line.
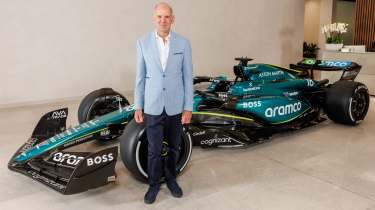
163, 19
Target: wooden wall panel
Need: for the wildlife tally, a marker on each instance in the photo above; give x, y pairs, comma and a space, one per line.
364, 31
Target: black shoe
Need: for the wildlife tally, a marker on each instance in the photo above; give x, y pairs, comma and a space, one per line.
176, 190
151, 194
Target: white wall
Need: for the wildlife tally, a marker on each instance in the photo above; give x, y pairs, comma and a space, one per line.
312, 18
61, 49
326, 9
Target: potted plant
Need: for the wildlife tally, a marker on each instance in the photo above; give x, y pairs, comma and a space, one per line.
310, 50
333, 35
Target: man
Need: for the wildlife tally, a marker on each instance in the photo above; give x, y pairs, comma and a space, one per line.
164, 90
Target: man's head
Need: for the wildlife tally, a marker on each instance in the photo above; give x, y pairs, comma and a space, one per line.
163, 17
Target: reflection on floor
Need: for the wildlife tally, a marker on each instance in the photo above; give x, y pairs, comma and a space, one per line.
329, 166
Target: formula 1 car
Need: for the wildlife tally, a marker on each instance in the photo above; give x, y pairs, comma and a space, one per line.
262, 100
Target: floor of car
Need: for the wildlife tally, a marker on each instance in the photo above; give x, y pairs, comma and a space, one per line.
327, 166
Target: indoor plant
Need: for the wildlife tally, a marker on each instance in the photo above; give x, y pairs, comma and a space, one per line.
310, 50
333, 35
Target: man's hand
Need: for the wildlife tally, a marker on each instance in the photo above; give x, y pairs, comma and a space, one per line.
186, 117
138, 116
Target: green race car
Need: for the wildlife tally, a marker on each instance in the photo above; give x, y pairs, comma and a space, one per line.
262, 100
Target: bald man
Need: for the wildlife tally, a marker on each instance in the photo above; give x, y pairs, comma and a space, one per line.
164, 93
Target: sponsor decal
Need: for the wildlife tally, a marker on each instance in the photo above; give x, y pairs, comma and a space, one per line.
271, 73
84, 125
251, 104
309, 61
105, 132
111, 178
251, 89
29, 144
199, 133
295, 93
222, 95
44, 143
37, 176
58, 114
310, 83
72, 131
129, 108
99, 159
67, 158
77, 141
335, 63
209, 142
283, 110
251, 67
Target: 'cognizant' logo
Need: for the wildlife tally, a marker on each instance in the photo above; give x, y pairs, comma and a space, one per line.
209, 142
283, 110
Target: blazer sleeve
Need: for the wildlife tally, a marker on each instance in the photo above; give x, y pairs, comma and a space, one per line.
187, 68
139, 90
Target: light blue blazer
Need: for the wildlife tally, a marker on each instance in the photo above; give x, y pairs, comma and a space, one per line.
171, 89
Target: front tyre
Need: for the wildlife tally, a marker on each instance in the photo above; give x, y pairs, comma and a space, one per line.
133, 150
98, 103
347, 102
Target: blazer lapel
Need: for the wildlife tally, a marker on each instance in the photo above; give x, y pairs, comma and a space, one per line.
155, 51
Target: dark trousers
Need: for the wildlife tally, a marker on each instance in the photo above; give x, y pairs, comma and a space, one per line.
161, 128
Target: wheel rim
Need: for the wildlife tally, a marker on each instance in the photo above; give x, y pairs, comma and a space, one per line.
359, 104
165, 149
142, 151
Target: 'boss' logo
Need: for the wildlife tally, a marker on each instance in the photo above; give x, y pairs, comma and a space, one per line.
251, 104
100, 159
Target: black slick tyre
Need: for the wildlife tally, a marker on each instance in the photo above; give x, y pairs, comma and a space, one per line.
347, 102
98, 103
133, 150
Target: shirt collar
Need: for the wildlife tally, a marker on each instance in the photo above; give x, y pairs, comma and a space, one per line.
166, 38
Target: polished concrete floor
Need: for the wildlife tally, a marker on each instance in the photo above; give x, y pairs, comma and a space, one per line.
329, 166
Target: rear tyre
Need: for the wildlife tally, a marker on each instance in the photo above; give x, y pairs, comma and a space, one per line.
98, 103
133, 150
347, 102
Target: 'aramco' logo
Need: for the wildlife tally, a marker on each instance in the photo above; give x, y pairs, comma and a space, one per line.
283, 110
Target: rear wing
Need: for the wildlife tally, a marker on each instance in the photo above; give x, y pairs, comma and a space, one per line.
349, 69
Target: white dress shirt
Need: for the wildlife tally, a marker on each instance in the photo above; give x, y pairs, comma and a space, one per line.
163, 48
